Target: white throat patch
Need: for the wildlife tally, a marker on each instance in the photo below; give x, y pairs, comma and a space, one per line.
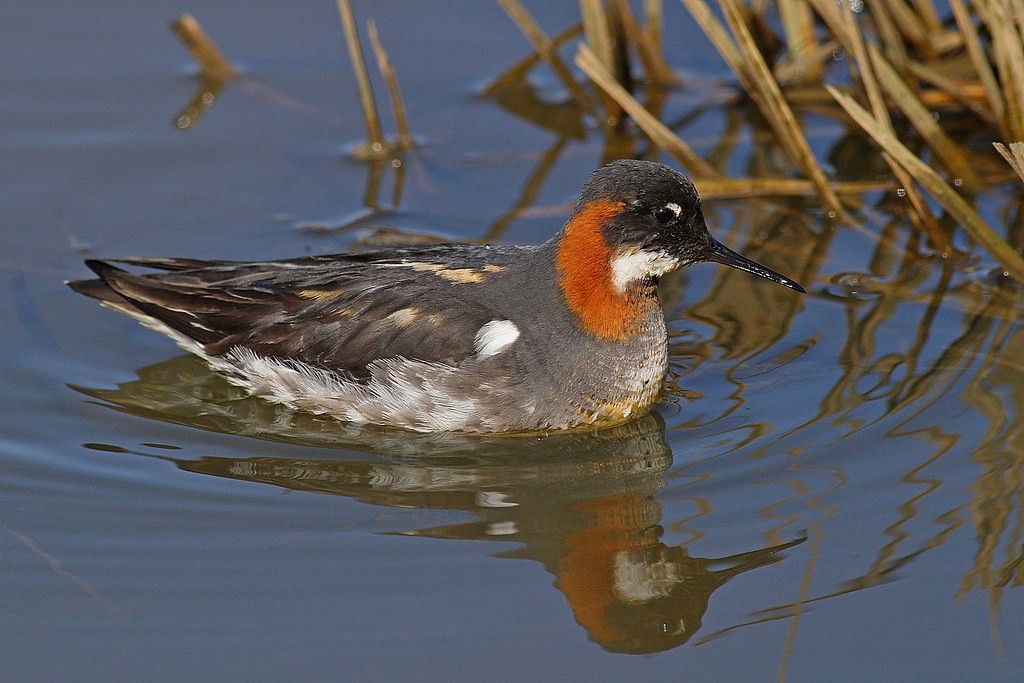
630, 266
494, 337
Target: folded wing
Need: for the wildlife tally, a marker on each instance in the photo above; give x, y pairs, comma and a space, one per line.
336, 312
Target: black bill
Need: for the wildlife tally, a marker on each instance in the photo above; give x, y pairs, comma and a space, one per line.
720, 253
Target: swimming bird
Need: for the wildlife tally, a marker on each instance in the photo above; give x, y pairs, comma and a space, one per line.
455, 337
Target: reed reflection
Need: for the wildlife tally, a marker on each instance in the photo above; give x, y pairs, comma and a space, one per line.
582, 504
924, 361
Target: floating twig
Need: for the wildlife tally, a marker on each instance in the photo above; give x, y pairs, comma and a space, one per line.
212, 63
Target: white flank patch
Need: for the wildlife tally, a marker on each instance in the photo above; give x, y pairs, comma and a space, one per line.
631, 266
494, 337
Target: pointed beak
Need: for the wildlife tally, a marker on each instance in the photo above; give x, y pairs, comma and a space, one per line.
719, 253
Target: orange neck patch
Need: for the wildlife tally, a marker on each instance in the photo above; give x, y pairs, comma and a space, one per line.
585, 274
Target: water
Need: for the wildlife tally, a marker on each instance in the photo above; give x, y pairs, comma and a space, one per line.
831, 489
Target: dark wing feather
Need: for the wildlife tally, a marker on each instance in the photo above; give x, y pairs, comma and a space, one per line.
339, 312
158, 263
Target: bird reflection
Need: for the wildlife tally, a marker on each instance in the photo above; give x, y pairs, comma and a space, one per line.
580, 504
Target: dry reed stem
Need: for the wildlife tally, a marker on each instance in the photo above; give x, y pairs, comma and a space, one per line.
212, 63
792, 74
405, 140
929, 15
618, 14
545, 49
921, 214
982, 68
595, 27
654, 24
653, 58
517, 71
895, 48
366, 99
801, 43
718, 36
768, 95
748, 188
1014, 156
856, 45
970, 95
909, 24
658, 132
831, 14
975, 226
919, 116
1009, 57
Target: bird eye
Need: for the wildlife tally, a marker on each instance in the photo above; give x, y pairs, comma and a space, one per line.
668, 213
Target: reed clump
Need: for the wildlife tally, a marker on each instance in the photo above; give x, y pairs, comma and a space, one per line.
911, 76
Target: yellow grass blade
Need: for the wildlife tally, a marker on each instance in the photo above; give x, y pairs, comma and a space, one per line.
1003, 253
773, 105
405, 140
979, 59
545, 49
595, 27
1009, 56
655, 129
1014, 156
366, 100
950, 154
